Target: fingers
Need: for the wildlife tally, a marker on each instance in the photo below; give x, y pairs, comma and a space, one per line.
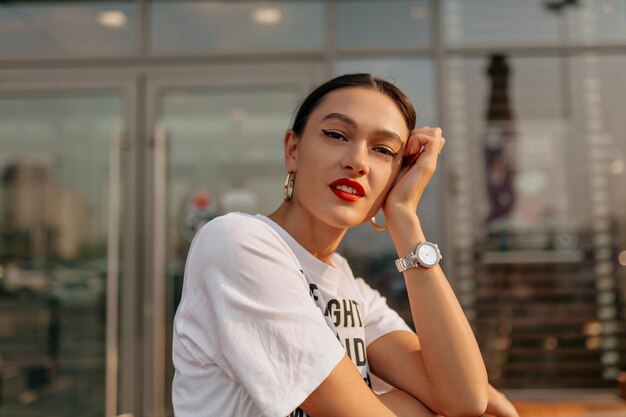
419, 164
424, 140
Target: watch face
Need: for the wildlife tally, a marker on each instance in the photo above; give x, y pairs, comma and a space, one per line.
428, 255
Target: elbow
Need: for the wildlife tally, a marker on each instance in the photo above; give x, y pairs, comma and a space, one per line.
473, 405
470, 400
469, 410
466, 396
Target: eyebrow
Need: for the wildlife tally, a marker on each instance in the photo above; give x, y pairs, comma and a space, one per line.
350, 122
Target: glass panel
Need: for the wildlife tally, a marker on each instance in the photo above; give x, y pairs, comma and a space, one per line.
383, 24
223, 26
499, 22
53, 252
534, 256
53, 29
372, 253
597, 85
226, 155
599, 21
534, 22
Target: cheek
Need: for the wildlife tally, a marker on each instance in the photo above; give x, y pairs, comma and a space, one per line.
311, 163
384, 179
387, 173
310, 171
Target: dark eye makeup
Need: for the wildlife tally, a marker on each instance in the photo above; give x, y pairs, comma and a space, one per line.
333, 135
384, 150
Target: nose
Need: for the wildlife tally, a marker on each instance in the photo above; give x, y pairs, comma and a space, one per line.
356, 159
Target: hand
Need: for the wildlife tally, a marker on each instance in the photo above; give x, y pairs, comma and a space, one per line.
420, 161
498, 405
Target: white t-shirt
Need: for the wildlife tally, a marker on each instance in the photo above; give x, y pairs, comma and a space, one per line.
262, 322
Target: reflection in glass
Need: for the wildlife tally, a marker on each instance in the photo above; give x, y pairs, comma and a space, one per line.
597, 107
599, 21
537, 22
382, 24
47, 29
503, 22
225, 26
536, 269
53, 234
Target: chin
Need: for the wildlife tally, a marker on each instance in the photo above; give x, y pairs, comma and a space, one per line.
344, 218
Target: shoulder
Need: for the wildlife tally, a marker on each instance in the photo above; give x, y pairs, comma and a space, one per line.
236, 230
239, 237
233, 224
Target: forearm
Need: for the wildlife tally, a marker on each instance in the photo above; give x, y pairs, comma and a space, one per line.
451, 356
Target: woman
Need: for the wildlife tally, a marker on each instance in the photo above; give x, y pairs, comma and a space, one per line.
273, 323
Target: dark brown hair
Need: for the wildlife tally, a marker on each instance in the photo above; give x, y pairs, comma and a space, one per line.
354, 80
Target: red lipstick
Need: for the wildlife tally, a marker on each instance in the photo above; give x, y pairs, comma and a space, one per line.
347, 189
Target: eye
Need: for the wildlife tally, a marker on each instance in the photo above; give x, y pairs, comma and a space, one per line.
385, 151
333, 135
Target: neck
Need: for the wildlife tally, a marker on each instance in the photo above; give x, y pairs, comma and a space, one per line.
318, 238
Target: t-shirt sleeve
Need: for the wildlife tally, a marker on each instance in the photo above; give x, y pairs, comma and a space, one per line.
247, 308
380, 319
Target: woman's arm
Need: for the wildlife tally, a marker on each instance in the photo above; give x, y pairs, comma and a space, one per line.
405, 405
344, 394
499, 405
454, 381
452, 363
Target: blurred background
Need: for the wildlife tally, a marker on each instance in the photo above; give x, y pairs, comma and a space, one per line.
126, 125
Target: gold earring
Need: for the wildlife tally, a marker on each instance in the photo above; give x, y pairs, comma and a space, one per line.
288, 188
375, 225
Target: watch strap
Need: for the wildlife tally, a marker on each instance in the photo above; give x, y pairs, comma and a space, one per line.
406, 262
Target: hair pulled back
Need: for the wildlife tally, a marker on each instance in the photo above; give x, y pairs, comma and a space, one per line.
348, 81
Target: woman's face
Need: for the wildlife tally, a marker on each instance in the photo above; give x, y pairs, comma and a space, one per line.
347, 157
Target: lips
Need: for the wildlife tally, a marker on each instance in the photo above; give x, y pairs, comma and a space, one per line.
347, 189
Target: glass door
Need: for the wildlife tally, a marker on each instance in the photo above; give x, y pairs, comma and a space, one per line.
217, 149
62, 170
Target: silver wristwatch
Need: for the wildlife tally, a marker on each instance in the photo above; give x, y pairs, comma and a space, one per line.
426, 255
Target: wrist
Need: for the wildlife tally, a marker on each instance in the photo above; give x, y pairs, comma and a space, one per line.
401, 217
405, 230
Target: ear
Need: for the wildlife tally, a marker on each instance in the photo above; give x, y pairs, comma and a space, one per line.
291, 141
